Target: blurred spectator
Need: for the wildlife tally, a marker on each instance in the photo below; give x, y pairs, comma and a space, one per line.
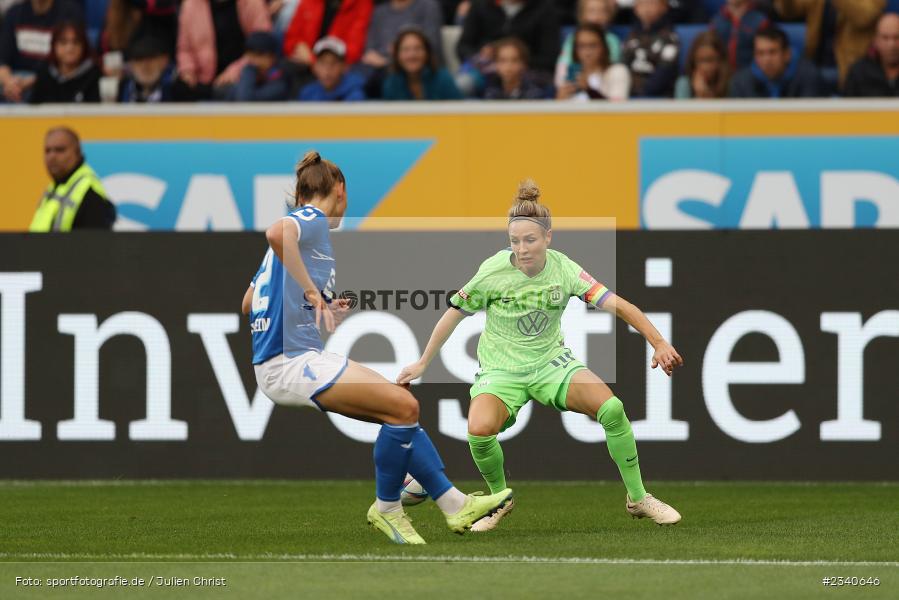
70, 75
415, 74
512, 80
596, 12
25, 41
707, 72
775, 72
878, 74
838, 32
736, 24
314, 19
389, 19
333, 81
75, 199
679, 11
592, 76
651, 51
534, 22
211, 38
127, 20
150, 73
262, 78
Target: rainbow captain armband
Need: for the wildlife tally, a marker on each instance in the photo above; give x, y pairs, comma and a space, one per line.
597, 294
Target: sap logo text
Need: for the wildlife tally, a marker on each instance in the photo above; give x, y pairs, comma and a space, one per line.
200, 185
208, 203
762, 183
773, 201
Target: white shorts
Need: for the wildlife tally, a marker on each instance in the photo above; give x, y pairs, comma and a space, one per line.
297, 381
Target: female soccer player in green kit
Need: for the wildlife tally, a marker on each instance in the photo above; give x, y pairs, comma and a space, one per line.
522, 355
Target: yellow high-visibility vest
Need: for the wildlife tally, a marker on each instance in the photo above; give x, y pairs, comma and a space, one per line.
60, 204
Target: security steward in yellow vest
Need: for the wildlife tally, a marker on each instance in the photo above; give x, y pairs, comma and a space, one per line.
76, 198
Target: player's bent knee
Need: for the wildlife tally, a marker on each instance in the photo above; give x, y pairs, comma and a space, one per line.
404, 409
482, 428
611, 411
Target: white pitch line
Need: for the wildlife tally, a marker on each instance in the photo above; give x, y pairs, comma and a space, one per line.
90, 483
62, 556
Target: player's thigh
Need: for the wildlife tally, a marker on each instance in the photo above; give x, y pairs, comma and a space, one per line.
361, 393
486, 415
586, 393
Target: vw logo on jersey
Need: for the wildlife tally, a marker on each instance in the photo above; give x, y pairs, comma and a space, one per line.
533, 323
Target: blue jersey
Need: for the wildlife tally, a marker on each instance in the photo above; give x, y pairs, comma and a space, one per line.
281, 320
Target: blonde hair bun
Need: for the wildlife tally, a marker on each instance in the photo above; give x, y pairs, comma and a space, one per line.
528, 191
527, 205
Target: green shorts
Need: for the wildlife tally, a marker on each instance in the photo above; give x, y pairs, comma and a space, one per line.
548, 385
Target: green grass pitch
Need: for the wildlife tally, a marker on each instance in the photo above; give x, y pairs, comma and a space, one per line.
271, 539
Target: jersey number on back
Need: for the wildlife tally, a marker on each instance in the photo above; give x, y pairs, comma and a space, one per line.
307, 213
260, 300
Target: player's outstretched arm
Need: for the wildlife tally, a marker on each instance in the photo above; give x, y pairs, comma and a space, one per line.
442, 330
284, 237
665, 354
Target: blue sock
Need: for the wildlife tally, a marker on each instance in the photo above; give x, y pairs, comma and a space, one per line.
426, 466
393, 449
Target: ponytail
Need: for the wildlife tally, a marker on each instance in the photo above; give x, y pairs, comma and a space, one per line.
316, 177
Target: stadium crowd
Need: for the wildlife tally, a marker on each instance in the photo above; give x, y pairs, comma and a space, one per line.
350, 50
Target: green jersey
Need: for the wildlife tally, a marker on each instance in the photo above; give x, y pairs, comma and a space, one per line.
524, 314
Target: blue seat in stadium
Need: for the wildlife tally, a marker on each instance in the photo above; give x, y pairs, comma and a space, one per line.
95, 15
796, 33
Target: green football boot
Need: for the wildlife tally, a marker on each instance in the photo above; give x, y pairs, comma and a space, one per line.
476, 507
395, 525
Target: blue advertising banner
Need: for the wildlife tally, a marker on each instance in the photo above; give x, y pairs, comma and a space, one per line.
769, 182
242, 185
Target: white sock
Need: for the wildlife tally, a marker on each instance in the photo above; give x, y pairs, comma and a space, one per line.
451, 501
385, 506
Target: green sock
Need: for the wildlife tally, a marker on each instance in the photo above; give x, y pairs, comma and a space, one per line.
622, 446
488, 456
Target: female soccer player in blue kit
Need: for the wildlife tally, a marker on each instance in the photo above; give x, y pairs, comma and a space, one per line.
287, 302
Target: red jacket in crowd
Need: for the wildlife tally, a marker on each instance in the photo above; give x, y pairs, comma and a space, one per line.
350, 24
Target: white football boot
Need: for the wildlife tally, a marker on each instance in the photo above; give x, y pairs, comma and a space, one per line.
491, 521
653, 508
